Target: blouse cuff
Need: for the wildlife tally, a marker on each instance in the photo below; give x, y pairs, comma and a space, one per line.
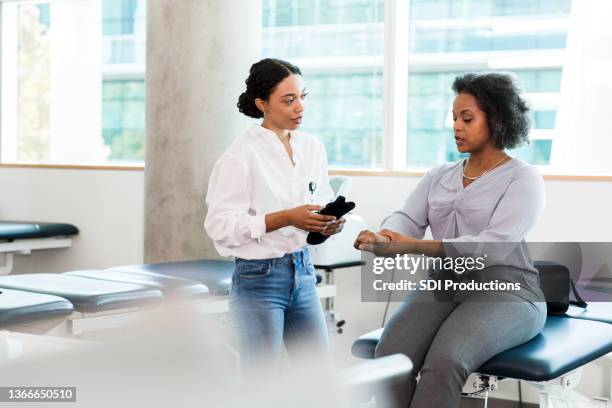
258, 226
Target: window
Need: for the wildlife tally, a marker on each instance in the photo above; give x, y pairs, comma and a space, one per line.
76, 71
447, 38
123, 118
339, 46
379, 74
558, 50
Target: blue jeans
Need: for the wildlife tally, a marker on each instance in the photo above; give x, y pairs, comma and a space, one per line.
274, 301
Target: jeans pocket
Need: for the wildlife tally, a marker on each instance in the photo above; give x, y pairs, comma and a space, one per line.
249, 270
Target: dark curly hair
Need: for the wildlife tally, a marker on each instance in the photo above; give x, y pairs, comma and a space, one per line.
498, 95
263, 78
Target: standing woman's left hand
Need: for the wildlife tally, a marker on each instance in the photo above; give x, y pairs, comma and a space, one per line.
334, 227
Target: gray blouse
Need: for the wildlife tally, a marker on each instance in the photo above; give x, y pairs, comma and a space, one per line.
491, 215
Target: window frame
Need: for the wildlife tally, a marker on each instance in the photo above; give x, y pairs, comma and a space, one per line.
9, 88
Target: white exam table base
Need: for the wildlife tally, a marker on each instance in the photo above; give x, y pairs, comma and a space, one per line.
26, 246
555, 393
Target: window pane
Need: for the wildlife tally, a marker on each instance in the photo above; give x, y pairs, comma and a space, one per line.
118, 16
124, 117
544, 119
339, 46
482, 35
537, 152
79, 81
345, 112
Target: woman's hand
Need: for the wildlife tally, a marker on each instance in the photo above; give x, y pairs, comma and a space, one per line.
372, 242
304, 218
334, 228
395, 237
386, 243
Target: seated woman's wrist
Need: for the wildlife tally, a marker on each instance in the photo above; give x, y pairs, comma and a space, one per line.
385, 235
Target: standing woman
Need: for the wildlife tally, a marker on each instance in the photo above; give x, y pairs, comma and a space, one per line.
488, 201
261, 204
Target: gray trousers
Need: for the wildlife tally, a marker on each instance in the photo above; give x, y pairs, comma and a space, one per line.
447, 341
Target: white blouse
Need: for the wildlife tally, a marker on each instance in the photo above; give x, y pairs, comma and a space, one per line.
255, 177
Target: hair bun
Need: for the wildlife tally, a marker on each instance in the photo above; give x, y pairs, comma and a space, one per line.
246, 105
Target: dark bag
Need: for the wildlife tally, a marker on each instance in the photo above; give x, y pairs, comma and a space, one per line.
556, 284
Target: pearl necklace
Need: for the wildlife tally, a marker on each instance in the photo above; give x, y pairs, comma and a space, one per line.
477, 177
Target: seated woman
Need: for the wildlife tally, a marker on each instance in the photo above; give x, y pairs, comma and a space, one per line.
489, 200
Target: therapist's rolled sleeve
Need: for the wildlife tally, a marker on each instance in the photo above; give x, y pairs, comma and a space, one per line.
228, 222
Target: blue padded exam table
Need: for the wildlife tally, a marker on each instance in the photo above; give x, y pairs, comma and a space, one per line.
104, 298
97, 304
23, 237
561, 347
216, 275
20, 308
172, 288
94, 291
85, 294
551, 361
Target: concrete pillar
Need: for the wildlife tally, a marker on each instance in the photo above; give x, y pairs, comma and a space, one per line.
198, 56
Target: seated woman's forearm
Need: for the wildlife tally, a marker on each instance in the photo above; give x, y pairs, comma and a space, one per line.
429, 247
402, 244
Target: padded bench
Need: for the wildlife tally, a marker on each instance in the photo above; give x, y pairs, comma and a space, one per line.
23, 237
18, 307
86, 295
173, 288
596, 311
561, 347
12, 230
216, 275
567, 342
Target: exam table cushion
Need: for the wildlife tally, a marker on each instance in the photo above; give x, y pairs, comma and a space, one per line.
172, 287
11, 230
18, 307
215, 274
597, 311
87, 295
563, 345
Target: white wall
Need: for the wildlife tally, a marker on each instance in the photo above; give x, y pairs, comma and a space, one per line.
107, 206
